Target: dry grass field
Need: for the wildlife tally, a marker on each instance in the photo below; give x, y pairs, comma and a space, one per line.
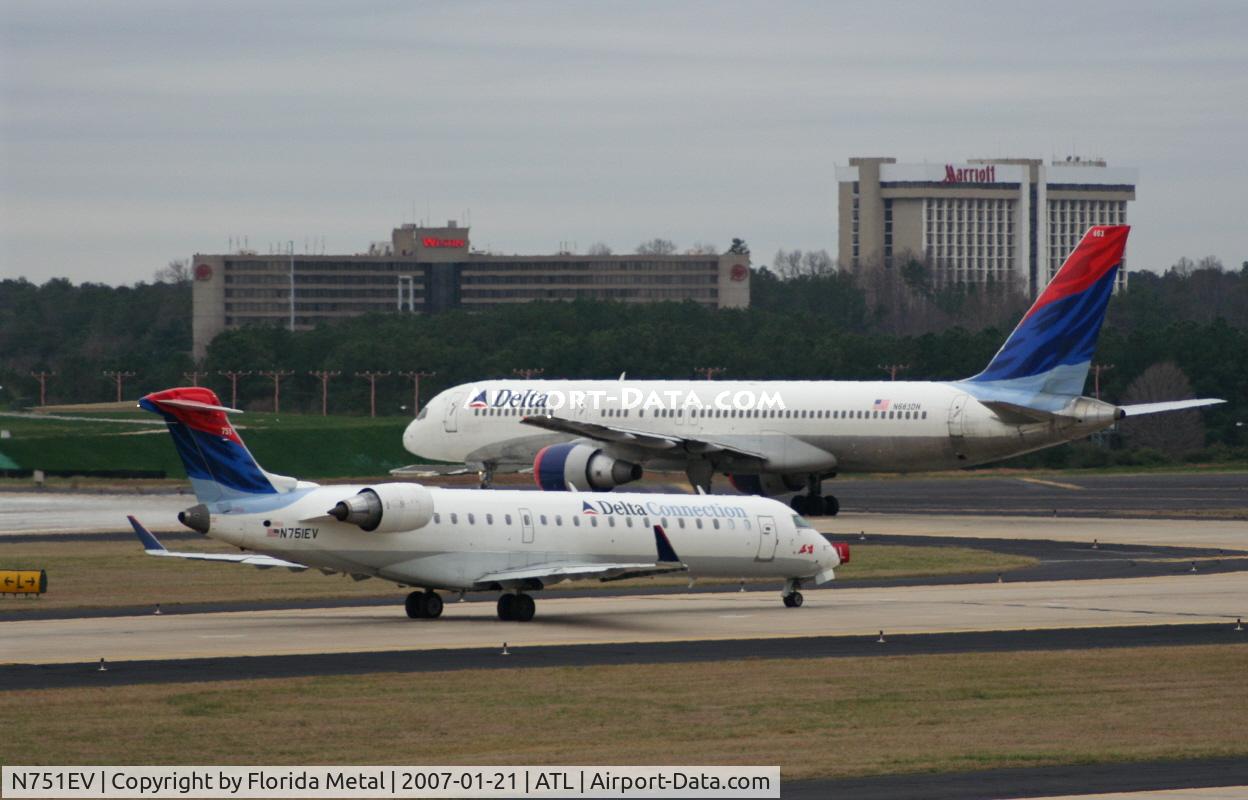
815, 718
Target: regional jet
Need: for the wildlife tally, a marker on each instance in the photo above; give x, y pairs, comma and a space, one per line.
512, 542
778, 437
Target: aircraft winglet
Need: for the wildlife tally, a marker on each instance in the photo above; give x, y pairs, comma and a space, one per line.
667, 553
149, 541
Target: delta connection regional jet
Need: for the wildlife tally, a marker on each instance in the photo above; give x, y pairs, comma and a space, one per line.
778, 437
507, 541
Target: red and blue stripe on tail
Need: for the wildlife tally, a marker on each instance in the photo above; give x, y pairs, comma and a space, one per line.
217, 462
1045, 361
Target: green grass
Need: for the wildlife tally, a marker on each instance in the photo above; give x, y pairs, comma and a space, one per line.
301, 445
102, 574
815, 718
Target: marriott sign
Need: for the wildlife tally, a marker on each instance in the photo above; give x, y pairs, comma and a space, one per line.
986, 174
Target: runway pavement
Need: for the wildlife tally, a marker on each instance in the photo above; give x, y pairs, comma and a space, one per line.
1198, 598
1206, 533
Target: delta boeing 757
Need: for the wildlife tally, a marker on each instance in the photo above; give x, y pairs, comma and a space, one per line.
779, 437
512, 542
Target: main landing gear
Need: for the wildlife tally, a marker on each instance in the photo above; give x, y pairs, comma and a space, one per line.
518, 607
814, 504
424, 605
792, 597
485, 476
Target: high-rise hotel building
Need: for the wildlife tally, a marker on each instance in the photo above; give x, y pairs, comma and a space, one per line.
983, 220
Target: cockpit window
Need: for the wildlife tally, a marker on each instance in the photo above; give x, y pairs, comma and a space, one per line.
424, 411
801, 522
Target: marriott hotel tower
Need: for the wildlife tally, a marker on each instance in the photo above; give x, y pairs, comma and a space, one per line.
983, 220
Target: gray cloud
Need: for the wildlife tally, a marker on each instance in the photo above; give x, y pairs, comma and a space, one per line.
133, 133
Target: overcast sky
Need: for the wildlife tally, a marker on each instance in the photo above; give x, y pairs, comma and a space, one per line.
133, 133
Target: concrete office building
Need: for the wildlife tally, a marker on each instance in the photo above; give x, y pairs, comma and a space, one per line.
427, 269
983, 220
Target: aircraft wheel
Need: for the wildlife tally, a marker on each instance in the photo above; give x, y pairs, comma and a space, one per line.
793, 600
525, 608
507, 607
433, 605
798, 503
415, 605
831, 506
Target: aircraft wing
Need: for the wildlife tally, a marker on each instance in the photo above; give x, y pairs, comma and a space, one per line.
153, 547
447, 470
666, 561
645, 439
1173, 405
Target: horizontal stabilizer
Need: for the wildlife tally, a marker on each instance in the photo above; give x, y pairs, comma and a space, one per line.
195, 405
1141, 409
153, 547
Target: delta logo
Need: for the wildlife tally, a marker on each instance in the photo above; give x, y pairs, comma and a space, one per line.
479, 401
586, 508
510, 398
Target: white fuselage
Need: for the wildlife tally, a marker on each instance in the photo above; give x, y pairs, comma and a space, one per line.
802, 427
476, 533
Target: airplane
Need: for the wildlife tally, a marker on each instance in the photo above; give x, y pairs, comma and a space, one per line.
513, 542
778, 437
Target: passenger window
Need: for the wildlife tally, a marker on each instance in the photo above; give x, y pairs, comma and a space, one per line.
558, 519
527, 520
747, 524
454, 519
472, 520
699, 524
924, 415
715, 524
732, 526
628, 522
507, 518
680, 521
576, 522
610, 522
664, 522
593, 522
437, 517
645, 521
542, 517
489, 519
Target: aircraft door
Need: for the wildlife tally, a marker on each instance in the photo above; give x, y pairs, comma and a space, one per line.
450, 422
526, 526
766, 539
957, 420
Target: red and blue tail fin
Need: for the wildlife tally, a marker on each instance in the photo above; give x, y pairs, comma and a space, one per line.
1045, 361
217, 462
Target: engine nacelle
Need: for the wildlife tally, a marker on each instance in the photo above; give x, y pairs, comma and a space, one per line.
387, 508
767, 484
582, 465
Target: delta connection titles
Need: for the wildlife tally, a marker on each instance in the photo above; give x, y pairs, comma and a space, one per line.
652, 508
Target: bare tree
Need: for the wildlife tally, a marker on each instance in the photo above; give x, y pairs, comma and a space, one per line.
656, 247
702, 249
599, 249
177, 271
1173, 433
789, 264
739, 247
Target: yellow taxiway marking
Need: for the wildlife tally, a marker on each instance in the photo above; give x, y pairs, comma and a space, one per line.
1056, 484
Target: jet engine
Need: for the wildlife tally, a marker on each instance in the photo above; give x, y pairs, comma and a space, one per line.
768, 484
582, 465
387, 508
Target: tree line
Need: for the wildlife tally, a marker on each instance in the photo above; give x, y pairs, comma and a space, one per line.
810, 324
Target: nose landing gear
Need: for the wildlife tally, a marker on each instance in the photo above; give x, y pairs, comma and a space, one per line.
792, 597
